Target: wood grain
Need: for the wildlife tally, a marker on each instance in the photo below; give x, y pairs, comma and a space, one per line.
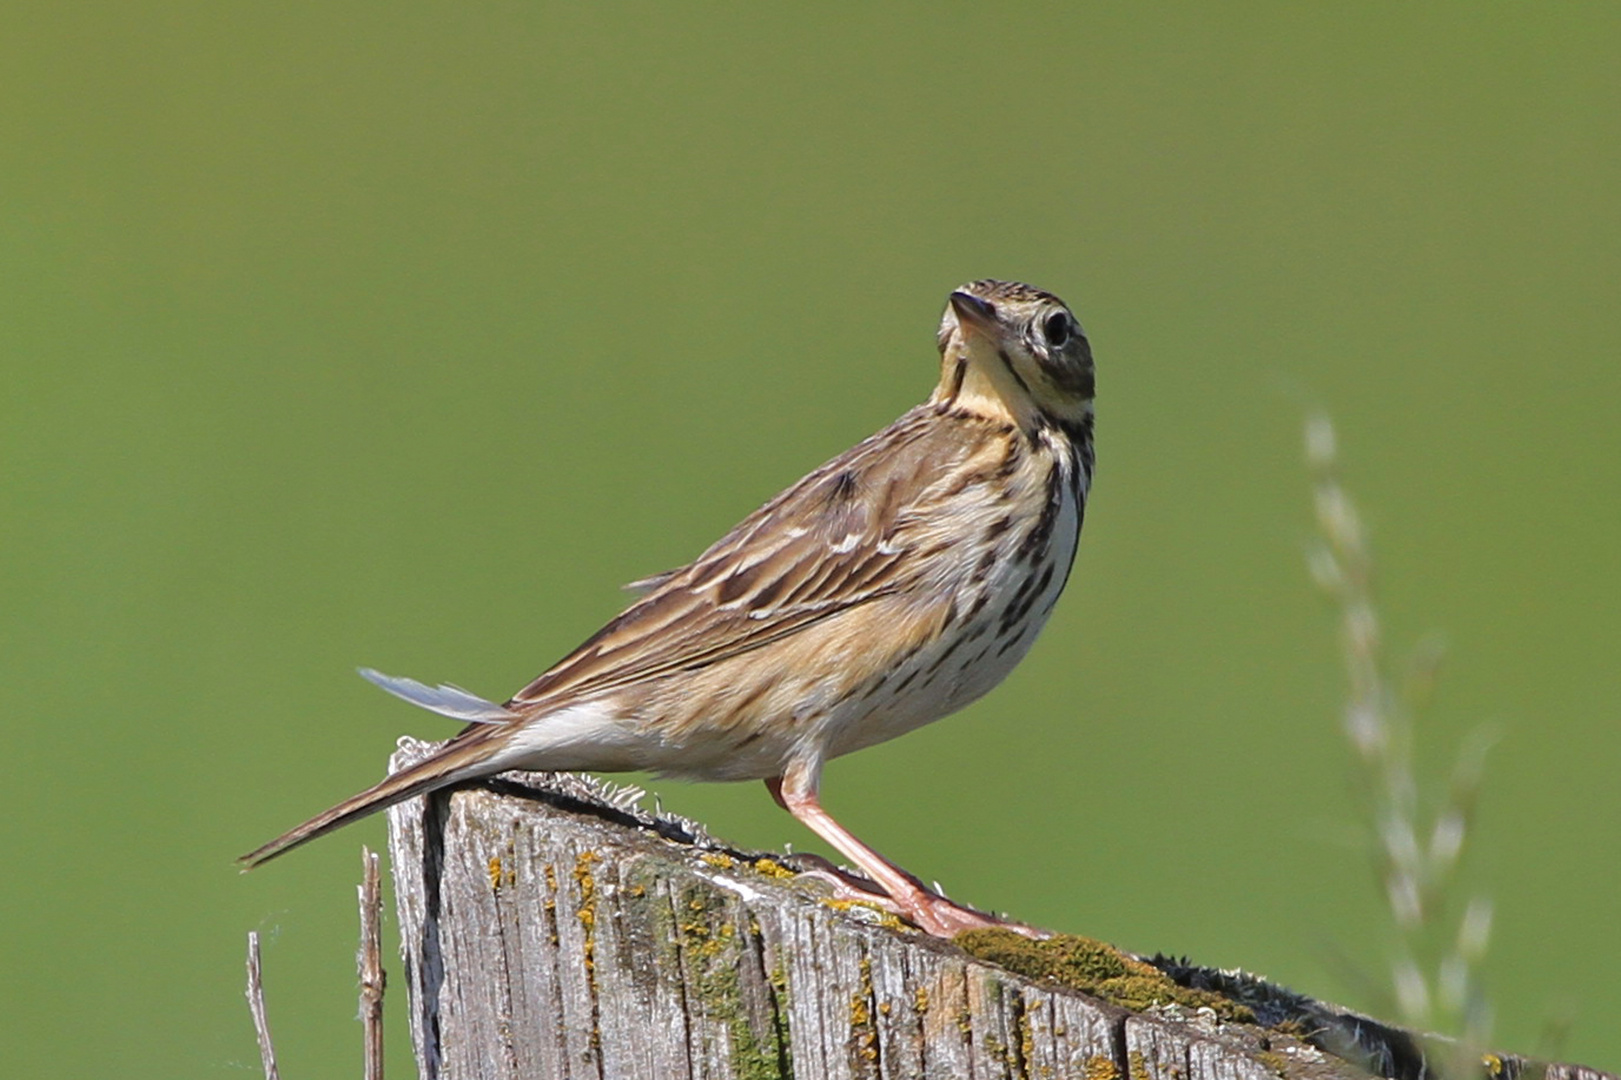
551, 929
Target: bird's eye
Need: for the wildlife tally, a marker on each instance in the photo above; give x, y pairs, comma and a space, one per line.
1056, 329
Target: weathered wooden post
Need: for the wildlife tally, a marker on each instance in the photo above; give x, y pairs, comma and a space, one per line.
552, 930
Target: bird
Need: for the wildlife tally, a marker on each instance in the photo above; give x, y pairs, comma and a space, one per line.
887, 588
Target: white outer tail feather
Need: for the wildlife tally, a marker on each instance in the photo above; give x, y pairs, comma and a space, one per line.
582, 735
446, 700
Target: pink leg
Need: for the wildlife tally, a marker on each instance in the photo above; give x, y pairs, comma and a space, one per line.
930, 911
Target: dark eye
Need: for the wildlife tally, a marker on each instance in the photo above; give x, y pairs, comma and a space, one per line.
1056, 330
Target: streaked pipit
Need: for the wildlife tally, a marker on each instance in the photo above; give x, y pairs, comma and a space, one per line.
892, 586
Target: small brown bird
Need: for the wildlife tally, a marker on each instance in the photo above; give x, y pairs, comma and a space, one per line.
892, 586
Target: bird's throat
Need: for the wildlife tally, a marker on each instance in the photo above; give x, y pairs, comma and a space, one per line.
979, 381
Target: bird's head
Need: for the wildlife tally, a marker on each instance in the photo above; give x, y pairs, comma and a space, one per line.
1014, 352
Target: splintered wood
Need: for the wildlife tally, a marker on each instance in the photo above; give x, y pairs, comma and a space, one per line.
564, 933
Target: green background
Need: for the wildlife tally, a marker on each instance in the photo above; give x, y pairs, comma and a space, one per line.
401, 334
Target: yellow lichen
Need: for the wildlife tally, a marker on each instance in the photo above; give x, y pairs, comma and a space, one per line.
859, 1016
1027, 1037
587, 912
863, 1031
773, 869
886, 919
551, 899
501, 876
1099, 1067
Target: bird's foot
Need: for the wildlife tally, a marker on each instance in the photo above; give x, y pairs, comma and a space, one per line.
922, 907
934, 914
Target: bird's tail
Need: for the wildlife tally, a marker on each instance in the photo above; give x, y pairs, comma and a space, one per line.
462, 758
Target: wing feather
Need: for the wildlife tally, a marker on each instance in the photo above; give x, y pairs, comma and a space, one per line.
643, 586
838, 539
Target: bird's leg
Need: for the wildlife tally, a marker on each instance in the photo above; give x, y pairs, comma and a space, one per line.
907, 897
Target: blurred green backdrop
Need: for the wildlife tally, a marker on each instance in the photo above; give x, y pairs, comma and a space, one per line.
401, 334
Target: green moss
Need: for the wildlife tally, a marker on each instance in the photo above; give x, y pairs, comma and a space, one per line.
712, 946
645, 905
1274, 1061
1092, 968
779, 987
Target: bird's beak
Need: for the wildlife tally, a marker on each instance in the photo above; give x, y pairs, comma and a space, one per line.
974, 314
